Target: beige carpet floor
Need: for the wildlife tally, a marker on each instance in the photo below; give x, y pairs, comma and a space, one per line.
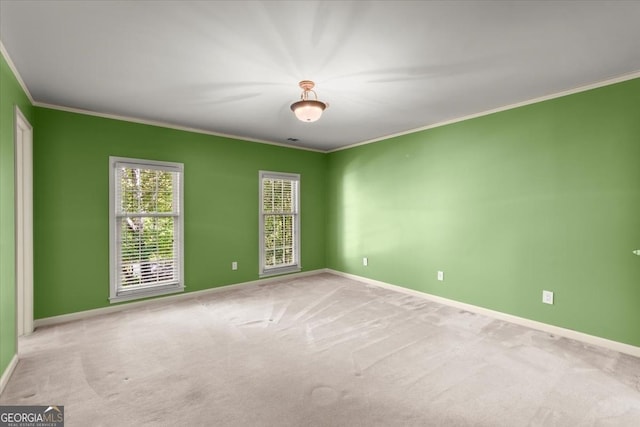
319, 351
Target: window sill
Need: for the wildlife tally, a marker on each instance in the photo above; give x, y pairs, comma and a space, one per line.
146, 293
281, 270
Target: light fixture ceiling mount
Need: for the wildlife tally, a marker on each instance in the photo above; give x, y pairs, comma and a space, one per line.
308, 110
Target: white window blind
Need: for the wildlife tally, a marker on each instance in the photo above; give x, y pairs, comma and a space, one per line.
146, 228
279, 223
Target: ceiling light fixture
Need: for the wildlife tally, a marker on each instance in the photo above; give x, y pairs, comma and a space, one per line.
308, 110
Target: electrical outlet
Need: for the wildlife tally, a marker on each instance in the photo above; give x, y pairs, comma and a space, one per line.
547, 297
234, 265
441, 275
365, 261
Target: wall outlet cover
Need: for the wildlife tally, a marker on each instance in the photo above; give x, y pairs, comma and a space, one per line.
547, 297
441, 275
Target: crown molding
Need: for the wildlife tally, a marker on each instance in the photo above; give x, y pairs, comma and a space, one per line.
166, 125
13, 68
602, 83
614, 80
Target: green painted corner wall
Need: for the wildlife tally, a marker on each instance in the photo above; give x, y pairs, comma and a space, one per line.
545, 196
71, 195
11, 95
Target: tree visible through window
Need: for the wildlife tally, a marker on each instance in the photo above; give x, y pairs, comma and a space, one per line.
279, 223
146, 228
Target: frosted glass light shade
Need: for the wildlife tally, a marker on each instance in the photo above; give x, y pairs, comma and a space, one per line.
308, 110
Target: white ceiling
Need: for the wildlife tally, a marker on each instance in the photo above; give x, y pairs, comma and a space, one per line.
385, 67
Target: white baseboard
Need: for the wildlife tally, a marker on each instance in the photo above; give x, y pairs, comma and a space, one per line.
555, 330
64, 318
4, 379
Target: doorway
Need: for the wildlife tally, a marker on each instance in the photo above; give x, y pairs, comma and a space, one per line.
24, 223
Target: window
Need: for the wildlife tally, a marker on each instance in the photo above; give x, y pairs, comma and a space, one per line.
279, 223
145, 227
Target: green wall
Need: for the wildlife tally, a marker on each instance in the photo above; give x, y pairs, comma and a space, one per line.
11, 95
545, 196
71, 196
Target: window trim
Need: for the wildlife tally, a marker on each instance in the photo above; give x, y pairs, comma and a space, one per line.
264, 271
117, 295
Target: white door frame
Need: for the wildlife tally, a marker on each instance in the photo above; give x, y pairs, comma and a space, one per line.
24, 223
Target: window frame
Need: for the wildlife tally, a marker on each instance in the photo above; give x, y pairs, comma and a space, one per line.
265, 270
116, 293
